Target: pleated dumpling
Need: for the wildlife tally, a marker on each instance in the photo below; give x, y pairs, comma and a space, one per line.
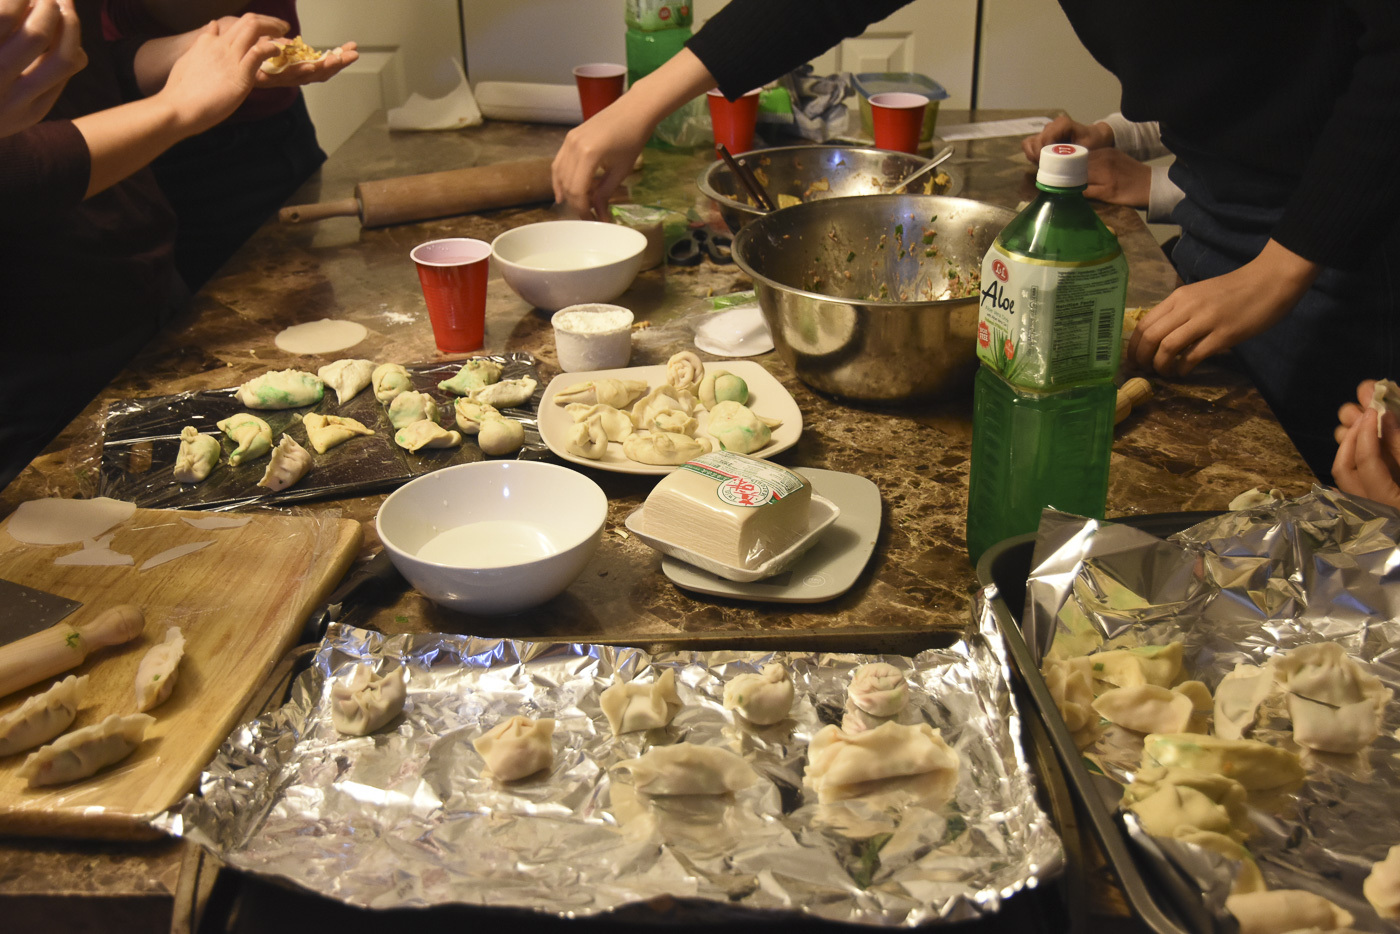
251, 436
365, 701
664, 448
616, 423
81, 753
1171, 801
507, 393
1143, 664
426, 434
631, 706
738, 428
1146, 708
841, 765
689, 769
197, 457
324, 432
517, 747
42, 717
1336, 705
618, 393
587, 438
685, 370
498, 436
1237, 699
762, 697
289, 463
879, 689
474, 374
471, 414
155, 675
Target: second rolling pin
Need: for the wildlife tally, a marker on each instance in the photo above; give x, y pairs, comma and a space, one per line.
412, 198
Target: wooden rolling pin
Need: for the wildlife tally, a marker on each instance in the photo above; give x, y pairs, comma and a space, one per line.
62, 646
1134, 392
437, 194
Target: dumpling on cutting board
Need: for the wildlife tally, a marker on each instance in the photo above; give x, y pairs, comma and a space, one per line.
155, 676
42, 717
83, 752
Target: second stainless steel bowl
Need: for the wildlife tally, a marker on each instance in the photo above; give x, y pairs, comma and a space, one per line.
874, 298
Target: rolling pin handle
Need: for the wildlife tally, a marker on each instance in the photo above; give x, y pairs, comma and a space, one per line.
1132, 393
306, 213
55, 650
113, 626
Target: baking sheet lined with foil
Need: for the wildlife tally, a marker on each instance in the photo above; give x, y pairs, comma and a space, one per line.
405, 818
141, 438
1246, 586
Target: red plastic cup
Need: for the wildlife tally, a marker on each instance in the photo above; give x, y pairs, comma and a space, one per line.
733, 121
453, 274
897, 118
598, 86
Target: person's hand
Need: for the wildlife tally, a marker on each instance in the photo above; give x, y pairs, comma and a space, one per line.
1064, 130
596, 156
1367, 465
1213, 315
40, 49
303, 73
1118, 178
220, 67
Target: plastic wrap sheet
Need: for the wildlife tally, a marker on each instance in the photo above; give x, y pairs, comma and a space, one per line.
1243, 587
142, 436
405, 818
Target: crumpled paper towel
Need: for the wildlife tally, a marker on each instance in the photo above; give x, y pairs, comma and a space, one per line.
452, 111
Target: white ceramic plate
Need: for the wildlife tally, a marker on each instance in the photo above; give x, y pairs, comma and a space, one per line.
822, 513
828, 570
767, 397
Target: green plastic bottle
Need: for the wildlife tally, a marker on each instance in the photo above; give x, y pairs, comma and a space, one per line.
1049, 336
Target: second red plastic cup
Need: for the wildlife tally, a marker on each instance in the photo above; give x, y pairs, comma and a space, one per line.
733, 121
599, 85
897, 118
453, 274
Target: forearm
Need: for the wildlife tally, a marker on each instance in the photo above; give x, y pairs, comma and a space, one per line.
123, 140
660, 93
156, 57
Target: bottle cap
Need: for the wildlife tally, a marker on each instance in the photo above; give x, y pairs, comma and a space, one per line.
1063, 165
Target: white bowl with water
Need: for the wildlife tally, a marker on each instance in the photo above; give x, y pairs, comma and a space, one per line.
554, 264
493, 537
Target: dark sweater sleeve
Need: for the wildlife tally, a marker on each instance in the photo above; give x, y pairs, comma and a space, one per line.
44, 170
750, 42
1349, 195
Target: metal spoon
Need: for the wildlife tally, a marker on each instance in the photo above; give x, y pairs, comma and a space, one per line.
923, 170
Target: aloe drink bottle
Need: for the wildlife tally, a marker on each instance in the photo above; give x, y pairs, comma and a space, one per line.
1049, 338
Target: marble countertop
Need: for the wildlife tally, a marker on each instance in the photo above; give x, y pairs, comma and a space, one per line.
1194, 446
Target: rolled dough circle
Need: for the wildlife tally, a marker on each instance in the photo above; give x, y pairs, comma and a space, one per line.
325, 336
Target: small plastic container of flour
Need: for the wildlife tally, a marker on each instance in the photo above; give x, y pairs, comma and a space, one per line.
592, 337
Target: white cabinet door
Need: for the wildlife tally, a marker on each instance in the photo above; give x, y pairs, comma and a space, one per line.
1032, 58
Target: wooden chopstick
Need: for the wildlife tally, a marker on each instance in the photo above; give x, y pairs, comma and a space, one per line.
747, 179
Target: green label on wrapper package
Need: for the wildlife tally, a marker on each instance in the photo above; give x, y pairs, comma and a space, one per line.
1048, 325
651, 15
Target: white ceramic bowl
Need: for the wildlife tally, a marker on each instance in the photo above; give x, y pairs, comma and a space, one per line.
553, 264
500, 536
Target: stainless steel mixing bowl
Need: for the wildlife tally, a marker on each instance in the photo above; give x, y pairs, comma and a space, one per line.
814, 173
873, 298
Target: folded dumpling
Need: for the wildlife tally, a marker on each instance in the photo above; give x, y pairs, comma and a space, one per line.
474, 374
689, 769
1237, 699
1336, 705
1248, 878
426, 434
738, 428
1071, 684
631, 706
664, 398
388, 380
1253, 764
618, 393
841, 765
1382, 886
197, 457
762, 697
722, 386
507, 393
365, 701
251, 436
282, 389
498, 436
1169, 802
409, 407
42, 717
326, 431
517, 747
81, 753
155, 675
290, 462
616, 423
664, 448
587, 438
1143, 664
471, 414
347, 377
1146, 708
1282, 910
685, 370
879, 689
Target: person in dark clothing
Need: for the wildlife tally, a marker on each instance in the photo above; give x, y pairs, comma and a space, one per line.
1285, 122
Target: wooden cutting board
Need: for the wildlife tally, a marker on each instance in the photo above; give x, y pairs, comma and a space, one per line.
240, 602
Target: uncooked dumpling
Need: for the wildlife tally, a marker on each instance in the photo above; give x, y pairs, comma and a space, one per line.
1237, 699
1071, 684
506, 394
1336, 705
674, 421
685, 370
1171, 801
1146, 708
722, 386
664, 448
388, 380
616, 423
426, 434
294, 51
762, 697
517, 747
1248, 878
251, 435
587, 439
663, 398
326, 431
618, 393
346, 377
738, 428
1253, 764
42, 717
471, 414
474, 374
841, 765
290, 462
198, 455
631, 706
500, 436
155, 675
1143, 664
282, 389
365, 701
689, 769
879, 689
81, 753
409, 407
1382, 886
1283, 910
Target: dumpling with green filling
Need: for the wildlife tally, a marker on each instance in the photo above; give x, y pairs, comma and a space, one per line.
251, 435
155, 675
282, 389
426, 434
197, 457
738, 428
722, 386
409, 407
1255, 765
474, 374
388, 380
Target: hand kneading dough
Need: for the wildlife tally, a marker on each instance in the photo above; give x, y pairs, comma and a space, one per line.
81, 753
197, 457
365, 701
426, 434
282, 389
42, 717
155, 675
290, 462
326, 431
252, 435
347, 377
517, 747
500, 436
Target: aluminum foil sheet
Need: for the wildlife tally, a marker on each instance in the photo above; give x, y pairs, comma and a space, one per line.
405, 818
1245, 586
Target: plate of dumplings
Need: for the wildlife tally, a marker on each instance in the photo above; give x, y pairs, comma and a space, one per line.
652, 419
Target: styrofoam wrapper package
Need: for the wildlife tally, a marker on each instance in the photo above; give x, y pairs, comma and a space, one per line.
404, 817
1246, 586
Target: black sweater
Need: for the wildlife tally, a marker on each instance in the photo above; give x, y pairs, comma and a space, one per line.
1291, 104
